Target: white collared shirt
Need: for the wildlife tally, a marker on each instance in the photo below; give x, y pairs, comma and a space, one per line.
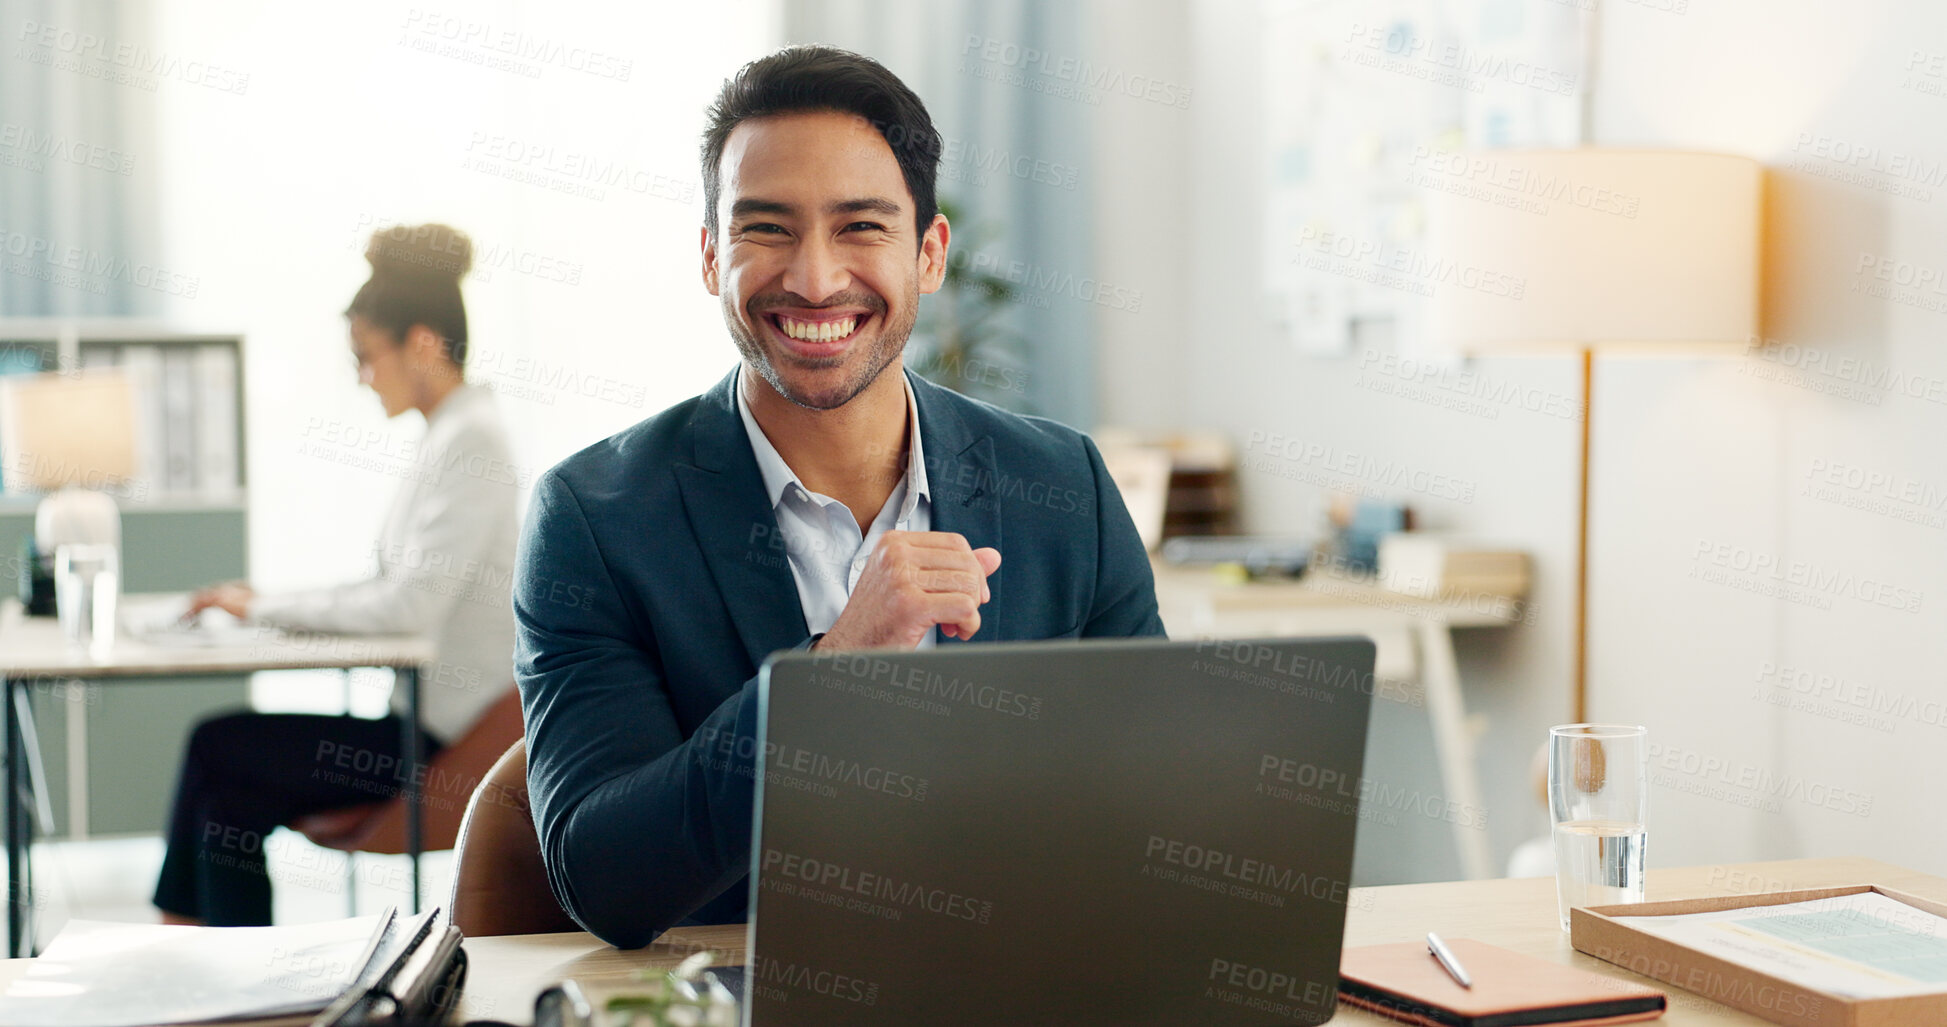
821, 537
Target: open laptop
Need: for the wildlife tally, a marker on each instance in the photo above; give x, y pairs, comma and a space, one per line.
1120, 832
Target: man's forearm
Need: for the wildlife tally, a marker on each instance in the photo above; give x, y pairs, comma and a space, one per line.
641, 851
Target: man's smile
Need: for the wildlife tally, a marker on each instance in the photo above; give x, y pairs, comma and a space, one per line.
817, 333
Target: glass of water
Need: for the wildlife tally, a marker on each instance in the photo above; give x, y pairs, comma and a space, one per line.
1598, 801
87, 582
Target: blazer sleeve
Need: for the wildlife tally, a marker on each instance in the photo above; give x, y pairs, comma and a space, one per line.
1125, 588
638, 824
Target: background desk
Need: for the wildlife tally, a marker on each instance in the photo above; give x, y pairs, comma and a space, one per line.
34, 651
1414, 637
507, 973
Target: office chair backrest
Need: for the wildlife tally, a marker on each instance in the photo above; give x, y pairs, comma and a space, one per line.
451, 778
499, 884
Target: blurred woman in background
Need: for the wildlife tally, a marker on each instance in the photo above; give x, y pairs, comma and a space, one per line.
445, 557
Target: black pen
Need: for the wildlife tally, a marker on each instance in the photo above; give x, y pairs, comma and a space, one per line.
1448, 961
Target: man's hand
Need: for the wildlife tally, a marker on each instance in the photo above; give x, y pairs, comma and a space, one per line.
232, 597
912, 581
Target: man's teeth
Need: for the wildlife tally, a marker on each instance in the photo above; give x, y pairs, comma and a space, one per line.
817, 331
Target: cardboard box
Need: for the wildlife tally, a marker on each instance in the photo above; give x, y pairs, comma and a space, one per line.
1594, 931
1434, 566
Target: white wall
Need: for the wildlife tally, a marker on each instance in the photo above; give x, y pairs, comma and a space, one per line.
597, 318
1177, 220
1686, 452
1143, 198
1728, 456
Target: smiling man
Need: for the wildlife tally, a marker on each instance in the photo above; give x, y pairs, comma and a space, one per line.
819, 496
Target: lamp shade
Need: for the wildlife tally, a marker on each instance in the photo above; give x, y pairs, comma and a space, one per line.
67, 429
1592, 248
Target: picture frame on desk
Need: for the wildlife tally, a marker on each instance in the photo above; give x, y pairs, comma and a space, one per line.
1600, 931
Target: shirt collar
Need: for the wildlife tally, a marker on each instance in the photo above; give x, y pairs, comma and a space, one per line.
779, 479
463, 396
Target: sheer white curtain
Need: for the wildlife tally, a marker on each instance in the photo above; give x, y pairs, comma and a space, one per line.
1006, 85
563, 140
78, 225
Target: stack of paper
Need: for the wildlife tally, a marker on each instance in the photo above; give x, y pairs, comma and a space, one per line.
125, 975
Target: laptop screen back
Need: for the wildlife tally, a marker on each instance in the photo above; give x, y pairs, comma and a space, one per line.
1128, 832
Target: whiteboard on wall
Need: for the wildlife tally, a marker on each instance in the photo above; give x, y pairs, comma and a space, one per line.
1371, 104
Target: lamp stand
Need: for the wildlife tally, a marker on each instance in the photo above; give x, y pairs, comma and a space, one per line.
1581, 695
74, 514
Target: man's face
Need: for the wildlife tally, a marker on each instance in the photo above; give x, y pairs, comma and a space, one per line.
816, 258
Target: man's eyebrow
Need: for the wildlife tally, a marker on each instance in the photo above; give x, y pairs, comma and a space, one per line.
867, 205
746, 207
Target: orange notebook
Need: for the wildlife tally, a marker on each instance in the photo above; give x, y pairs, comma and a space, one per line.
1405, 982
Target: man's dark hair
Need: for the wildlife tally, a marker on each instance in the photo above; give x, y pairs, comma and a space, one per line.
825, 78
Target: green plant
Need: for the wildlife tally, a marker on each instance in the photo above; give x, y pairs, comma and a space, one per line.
962, 340
684, 997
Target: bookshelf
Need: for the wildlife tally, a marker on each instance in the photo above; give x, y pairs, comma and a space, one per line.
179, 531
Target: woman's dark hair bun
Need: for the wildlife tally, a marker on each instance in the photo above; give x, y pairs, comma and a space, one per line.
429, 249
416, 272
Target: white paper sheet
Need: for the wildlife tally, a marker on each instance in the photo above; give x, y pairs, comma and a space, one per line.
1859, 946
123, 975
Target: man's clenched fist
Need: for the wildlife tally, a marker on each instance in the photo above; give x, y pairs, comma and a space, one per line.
913, 581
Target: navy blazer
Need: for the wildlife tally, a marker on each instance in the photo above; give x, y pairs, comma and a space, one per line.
652, 582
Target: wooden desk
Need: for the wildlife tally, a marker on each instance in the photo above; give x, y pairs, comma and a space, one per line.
504, 974
1520, 915
34, 649
1414, 637
508, 972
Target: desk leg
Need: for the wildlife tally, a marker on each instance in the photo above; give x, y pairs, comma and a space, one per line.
1460, 776
409, 679
77, 720
19, 898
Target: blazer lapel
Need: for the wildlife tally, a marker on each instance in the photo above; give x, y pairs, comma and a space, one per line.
962, 479
736, 528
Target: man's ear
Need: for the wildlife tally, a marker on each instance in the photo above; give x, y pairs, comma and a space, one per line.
709, 261
932, 254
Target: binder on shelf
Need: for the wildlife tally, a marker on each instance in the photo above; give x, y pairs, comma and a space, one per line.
143, 364
216, 428
179, 419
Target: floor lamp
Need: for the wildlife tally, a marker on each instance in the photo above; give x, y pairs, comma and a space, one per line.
1575, 251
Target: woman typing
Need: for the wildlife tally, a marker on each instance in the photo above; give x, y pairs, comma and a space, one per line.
445, 557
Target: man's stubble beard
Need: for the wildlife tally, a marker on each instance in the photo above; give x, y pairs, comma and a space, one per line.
886, 349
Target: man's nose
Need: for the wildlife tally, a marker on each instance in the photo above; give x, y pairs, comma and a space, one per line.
816, 272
